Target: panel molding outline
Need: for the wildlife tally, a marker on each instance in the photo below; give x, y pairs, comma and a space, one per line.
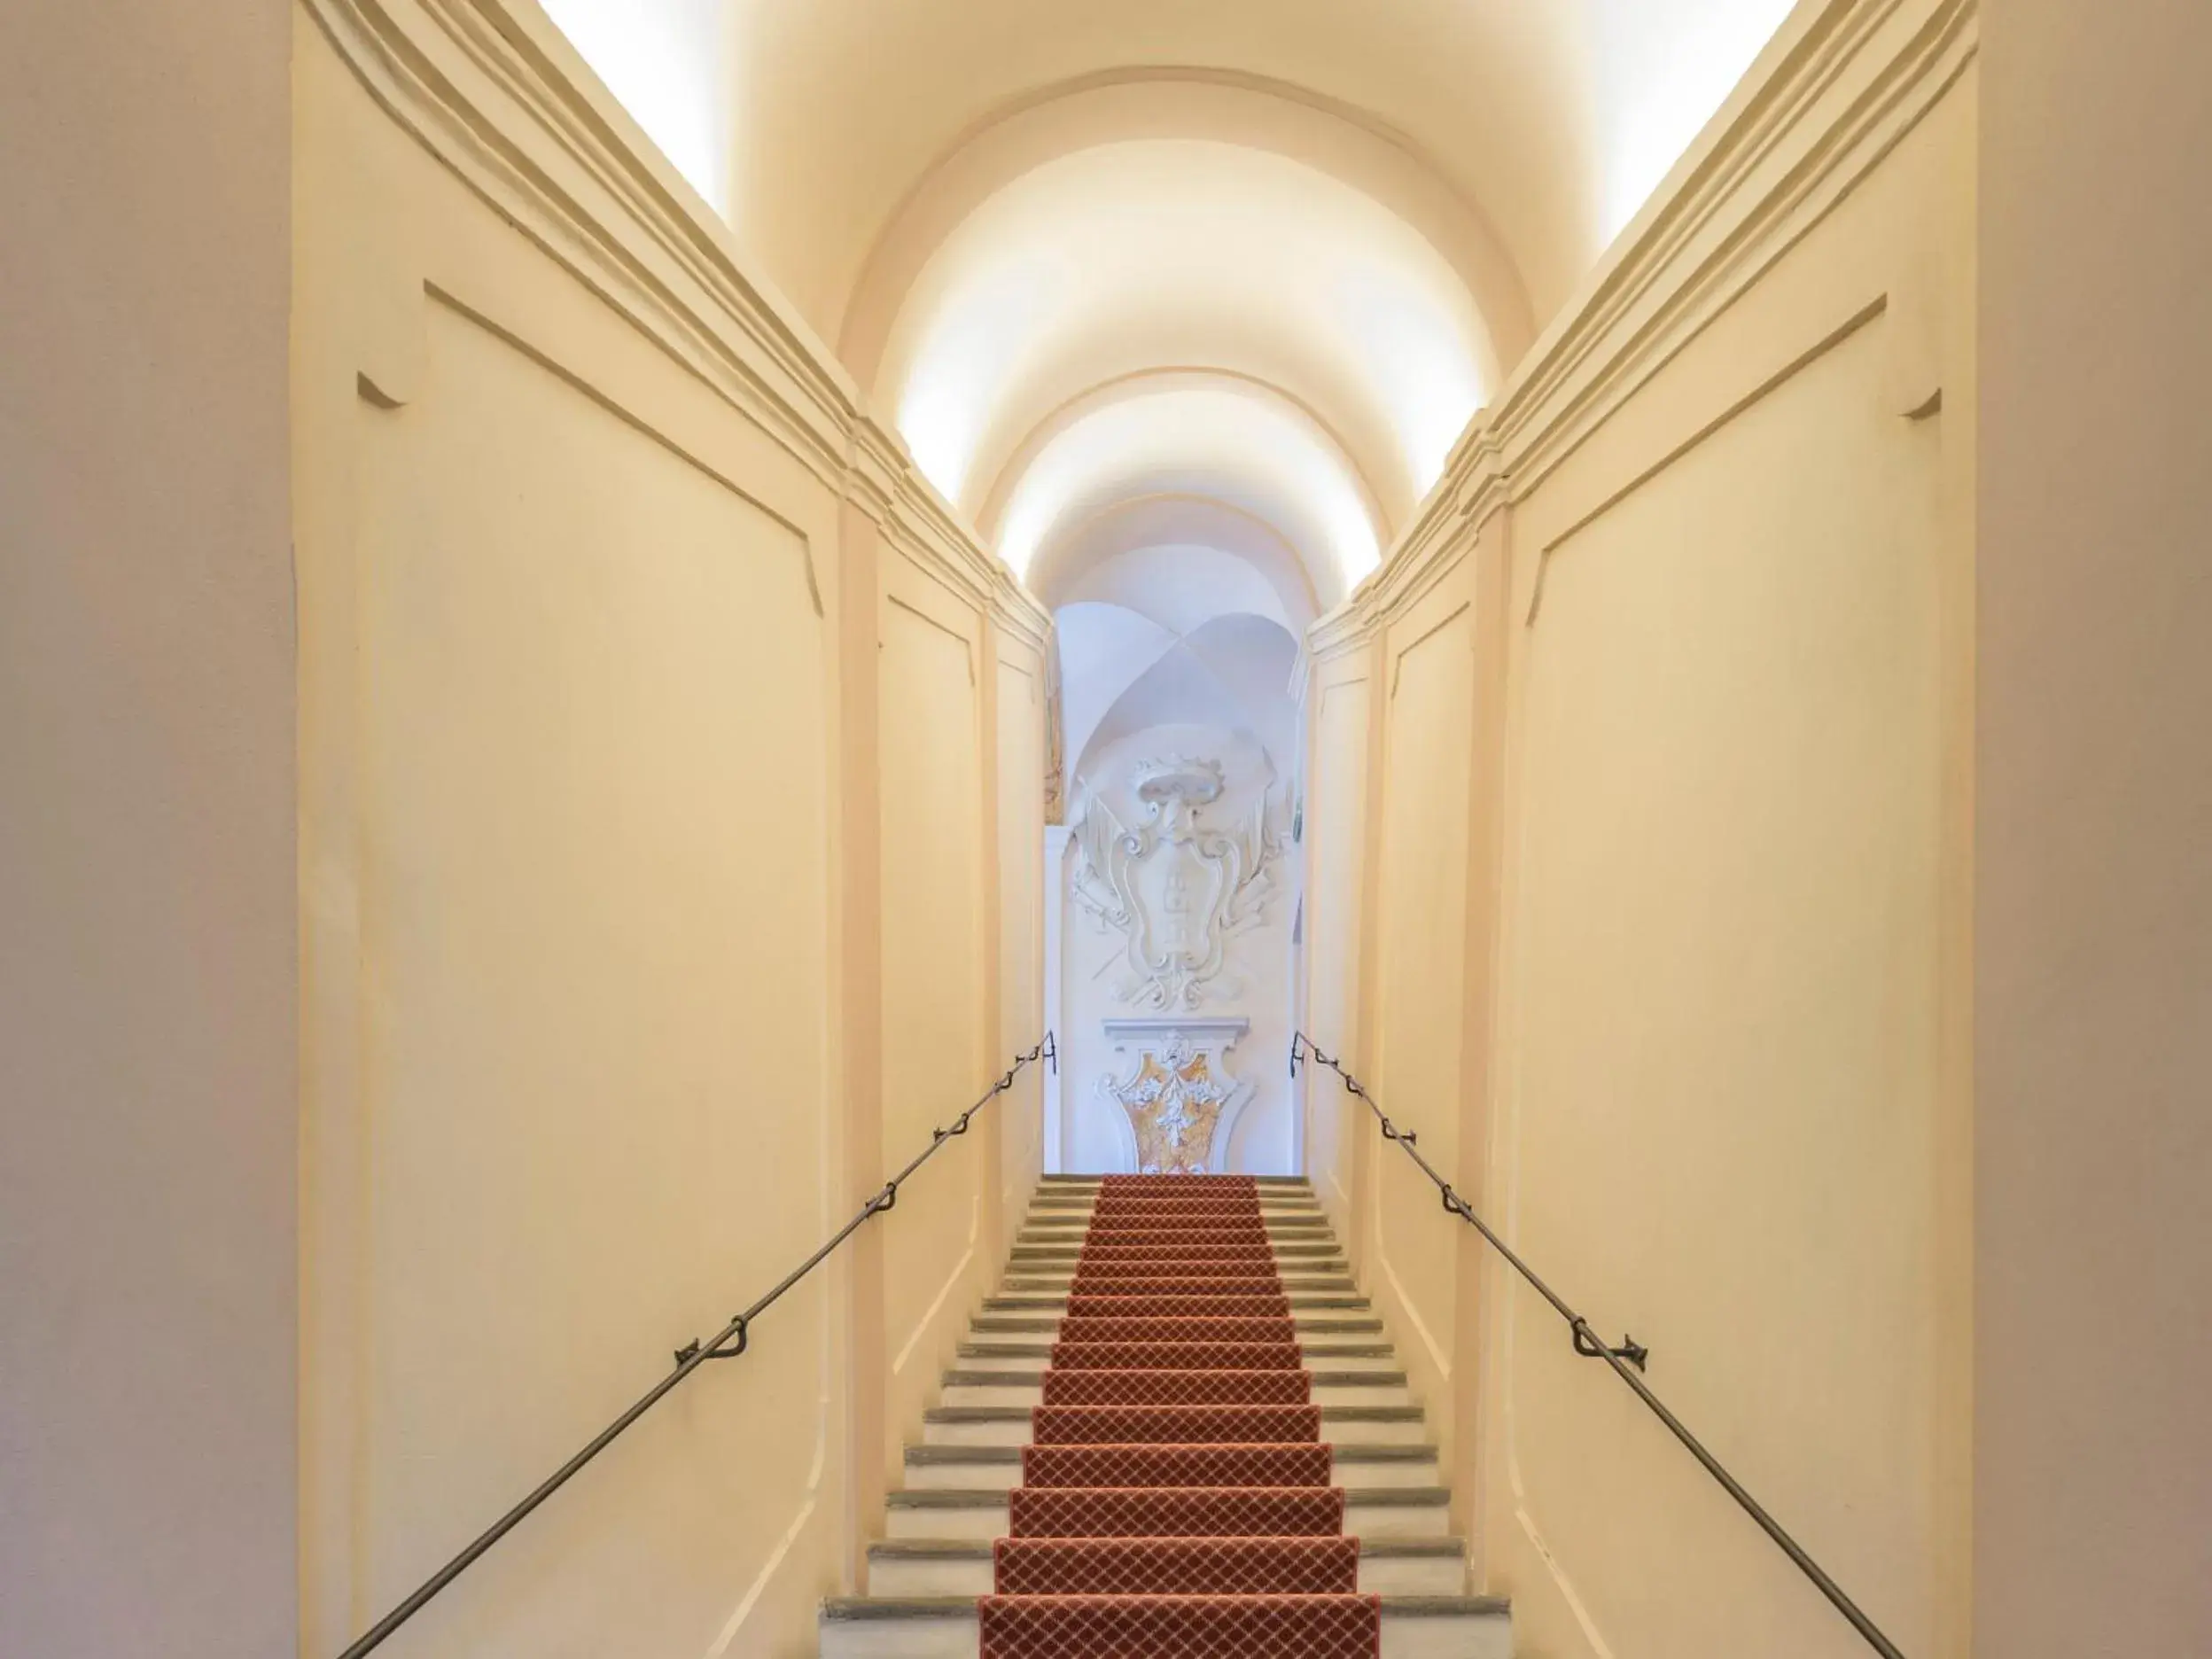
630, 416
1832, 96
496, 94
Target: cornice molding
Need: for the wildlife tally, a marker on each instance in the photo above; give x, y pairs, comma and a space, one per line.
1830, 99
496, 94
1349, 627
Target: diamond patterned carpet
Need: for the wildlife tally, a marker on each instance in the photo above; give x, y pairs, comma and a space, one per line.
1178, 1388
1182, 1240
1255, 1259
1166, 1512
1176, 1356
1187, 1304
1182, 1627
1246, 1425
1100, 1270
1205, 1329
1176, 1500
1229, 1566
1133, 1286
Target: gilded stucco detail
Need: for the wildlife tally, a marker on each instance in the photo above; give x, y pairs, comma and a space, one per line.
1174, 1104
1177, 1092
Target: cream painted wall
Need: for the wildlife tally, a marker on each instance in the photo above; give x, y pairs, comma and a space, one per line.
1414, 1051
936, 1026
1721, 1090
1341, 704
1019, 754
148, 1016
1669, 862
2093, 901
566, 703
647, 839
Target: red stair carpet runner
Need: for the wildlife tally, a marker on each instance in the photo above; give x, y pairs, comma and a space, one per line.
1176, 1499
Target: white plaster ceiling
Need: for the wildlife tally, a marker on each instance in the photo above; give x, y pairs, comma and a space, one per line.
1123, 674
1144, 526
1259, 258
1223, 442
1546, 115
1182, 586
669, 61
1139, 258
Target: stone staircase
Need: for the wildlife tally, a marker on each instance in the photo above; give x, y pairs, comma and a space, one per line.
936, 1557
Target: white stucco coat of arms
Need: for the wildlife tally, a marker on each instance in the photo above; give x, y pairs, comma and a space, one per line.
1178, 890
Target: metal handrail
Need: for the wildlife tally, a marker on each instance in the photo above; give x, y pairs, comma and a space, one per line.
1627, 1361
689, 1358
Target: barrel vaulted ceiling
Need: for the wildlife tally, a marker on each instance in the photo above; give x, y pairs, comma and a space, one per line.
1130, 277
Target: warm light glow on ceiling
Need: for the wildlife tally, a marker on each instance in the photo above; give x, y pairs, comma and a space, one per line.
1203, 311
1137, 256
976, 344
1661, 72
1218, 442
667, 62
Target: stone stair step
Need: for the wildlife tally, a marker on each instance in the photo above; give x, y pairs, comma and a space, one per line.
1272, 1201
1282, 1203
1321, 1323
1293, 1222
1285, 1219
982, 1468
1047, 1302
1322, 1353
989, 1386
1059, 1279
1319, 1254
1052, 1182
1010, 1426
1304, 1205
1073, 1234
1414, 1627
1324, 1251
1273, 1213
1370, 1511
903, 1568
1328, 1262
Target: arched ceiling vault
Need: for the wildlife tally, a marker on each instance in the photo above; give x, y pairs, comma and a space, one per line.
1228, 444
847, 104
1549, 121
1130, 257
1264, 258
1131, 528
1364, 452
1220, 106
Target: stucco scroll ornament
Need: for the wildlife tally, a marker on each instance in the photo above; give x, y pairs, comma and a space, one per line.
1178, 892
